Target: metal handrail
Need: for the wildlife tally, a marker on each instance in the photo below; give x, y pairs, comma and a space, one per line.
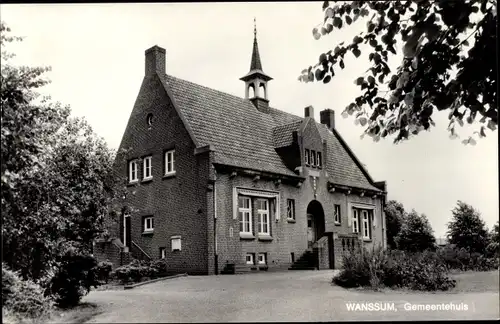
144, 252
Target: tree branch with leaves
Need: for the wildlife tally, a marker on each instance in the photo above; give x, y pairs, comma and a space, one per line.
440, 69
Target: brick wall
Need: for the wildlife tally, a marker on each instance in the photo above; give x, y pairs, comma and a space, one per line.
178, 203
107, 251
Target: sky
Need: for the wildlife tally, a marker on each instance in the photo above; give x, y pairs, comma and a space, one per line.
96, 52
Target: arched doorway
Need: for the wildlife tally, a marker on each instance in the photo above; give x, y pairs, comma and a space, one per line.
315, 222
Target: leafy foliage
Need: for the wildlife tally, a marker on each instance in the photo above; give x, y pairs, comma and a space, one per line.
436, 72
399, 269
103, 271
467, 230
75, 276
139, 270
394, 218
494, 246
461, 259
23, 297
416, 234
57, 180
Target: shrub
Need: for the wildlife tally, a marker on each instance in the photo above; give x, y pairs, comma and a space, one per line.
103, 271
23, 298
417, 271
137, 270
73, 279
461, 259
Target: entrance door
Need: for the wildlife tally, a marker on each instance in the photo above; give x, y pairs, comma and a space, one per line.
127, 233
311, 232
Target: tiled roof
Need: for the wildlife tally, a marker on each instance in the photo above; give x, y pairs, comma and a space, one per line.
340, 165
283, 135
244, 137
238, 132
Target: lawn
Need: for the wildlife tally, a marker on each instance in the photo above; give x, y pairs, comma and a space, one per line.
474, 281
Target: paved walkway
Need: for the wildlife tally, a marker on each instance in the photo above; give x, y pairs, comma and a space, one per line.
274, 296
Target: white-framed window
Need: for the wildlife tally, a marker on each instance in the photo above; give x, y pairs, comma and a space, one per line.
355, 220
290, 209
149, 224
245, 214
249, 258
148, 167
169, 162
318, 160
306, 156
313, 158
163, 252
366, 224
262, 258
263, 216
176, 243
132, 171
337, 216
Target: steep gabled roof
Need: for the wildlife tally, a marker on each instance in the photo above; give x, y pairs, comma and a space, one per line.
242, 136
342, 165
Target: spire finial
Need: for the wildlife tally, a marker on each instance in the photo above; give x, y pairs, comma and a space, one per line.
254, 27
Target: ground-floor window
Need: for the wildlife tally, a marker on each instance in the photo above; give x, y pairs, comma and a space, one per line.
249, 258
262, 258
361, 219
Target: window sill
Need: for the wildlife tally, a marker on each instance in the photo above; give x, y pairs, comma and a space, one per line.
265, 237
291, 220
133, 183
169, 175
147, 179
149, 232
367, 240
246, 236
337, 224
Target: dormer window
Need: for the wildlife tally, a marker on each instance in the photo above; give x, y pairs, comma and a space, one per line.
313, 158
318, 160
306, 156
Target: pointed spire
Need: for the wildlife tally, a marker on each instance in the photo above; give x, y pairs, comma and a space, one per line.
255, 64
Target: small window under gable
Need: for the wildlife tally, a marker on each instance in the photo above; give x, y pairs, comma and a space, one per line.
170, 162
148, 173
306, 156
313, 158
132, 171
318, 160
176, 243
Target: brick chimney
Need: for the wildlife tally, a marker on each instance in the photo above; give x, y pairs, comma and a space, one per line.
327, 117
155, 61
309, 112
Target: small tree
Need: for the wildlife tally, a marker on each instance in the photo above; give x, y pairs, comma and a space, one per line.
57, 178
494, 246
467, 229
416, 234
394, 216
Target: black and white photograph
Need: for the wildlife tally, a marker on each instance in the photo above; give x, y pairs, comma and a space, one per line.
213, 162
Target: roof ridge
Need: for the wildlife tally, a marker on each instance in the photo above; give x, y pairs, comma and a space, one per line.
230, 95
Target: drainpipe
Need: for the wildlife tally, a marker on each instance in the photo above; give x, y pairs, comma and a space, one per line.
216, 261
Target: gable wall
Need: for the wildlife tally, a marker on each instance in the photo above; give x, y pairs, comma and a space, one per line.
178, 203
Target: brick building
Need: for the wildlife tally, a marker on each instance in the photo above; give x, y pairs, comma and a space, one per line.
222, 182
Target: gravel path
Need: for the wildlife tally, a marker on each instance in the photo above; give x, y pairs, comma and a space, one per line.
276, 296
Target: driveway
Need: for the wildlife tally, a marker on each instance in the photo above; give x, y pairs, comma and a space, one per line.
276, 296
